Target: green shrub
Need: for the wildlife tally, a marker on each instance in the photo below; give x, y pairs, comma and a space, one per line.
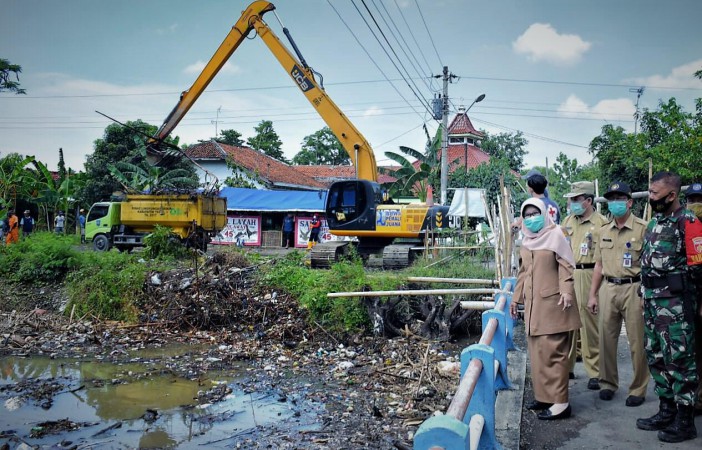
41, 257
163, 244
107, 285
311, 286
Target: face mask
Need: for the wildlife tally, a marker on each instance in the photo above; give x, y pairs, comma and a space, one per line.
696, 208
534, 223
660, 205
577, 208
617, 207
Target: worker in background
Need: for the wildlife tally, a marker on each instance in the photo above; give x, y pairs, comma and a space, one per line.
81, 223
536, 185
59, 222
289, 230
12, 232
668, 261
315, 228
694, 204
615, 294
27, 224
579, 229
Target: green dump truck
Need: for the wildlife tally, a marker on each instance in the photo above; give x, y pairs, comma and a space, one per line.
193, 219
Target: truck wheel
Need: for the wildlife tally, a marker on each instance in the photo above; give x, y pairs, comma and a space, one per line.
101, 243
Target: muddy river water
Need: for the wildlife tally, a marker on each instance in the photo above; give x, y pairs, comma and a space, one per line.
138, 403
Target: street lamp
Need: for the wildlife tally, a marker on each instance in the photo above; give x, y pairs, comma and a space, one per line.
478, 99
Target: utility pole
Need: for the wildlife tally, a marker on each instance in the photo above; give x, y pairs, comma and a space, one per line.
444, 134
639, 93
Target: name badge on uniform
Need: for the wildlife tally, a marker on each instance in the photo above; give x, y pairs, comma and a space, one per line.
584, 249
626, 260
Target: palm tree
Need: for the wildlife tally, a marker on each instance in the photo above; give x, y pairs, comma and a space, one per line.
411, 180
15, 181
146, 178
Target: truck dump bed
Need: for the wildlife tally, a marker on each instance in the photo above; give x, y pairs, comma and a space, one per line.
143, 212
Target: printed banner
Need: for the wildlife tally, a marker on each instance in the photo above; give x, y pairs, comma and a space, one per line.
240, 231
302, 232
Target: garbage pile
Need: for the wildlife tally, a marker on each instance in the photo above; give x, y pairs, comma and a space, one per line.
220, 294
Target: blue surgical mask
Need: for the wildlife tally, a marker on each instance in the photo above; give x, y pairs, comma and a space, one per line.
577, 208
617, 207
534, 223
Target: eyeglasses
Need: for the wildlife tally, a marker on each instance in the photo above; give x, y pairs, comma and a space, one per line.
534, 214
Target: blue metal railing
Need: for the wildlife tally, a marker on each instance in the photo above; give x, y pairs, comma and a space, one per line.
469, 422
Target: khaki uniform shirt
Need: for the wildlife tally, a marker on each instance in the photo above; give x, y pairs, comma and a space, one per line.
614, 243
581, 236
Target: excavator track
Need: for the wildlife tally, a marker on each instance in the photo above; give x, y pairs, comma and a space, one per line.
398, 256
325, 254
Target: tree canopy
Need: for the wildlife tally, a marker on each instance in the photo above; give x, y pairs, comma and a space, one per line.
668, 137
323, 148
9, 71
230, 137
122, 144
508, 146
267, 140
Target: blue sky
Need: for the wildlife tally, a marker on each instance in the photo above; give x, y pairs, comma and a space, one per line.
556, 70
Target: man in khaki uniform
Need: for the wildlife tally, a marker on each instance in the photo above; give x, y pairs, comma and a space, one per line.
618, 248
579, 228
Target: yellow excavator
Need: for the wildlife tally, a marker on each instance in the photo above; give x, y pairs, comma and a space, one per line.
354, 208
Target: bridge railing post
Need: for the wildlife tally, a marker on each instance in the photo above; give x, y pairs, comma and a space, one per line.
483, 372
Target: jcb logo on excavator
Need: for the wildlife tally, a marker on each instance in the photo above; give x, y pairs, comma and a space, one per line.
300, 78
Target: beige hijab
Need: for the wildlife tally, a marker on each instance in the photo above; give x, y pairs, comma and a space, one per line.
550, 237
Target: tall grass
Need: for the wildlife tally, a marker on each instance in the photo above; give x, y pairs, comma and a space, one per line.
41, 257
310, 286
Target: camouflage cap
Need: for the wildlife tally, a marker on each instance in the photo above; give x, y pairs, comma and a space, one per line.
581, 188
694, 189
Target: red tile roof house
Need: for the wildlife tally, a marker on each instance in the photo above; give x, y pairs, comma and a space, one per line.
254, 166
269, 173
266, 172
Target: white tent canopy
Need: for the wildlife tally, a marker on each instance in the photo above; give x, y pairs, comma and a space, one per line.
468, 202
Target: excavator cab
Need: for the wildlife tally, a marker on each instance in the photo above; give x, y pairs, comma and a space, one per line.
351, 205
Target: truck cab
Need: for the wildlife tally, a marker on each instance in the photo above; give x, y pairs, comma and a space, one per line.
102, 218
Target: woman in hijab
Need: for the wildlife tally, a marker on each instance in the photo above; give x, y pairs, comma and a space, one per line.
545, 287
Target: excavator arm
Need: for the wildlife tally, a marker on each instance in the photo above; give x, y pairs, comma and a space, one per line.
351, 139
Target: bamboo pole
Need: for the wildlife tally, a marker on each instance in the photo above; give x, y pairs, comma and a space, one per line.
477, 306
410, 292
453, 280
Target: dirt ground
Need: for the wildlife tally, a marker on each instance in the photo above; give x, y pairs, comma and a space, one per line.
375, 391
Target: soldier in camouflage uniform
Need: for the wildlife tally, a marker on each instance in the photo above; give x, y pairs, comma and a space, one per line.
669, 308
694, 204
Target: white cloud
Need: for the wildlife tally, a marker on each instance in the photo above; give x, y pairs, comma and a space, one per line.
196, 68
541, 42
372, 111
679, 77
610, 110
171, 29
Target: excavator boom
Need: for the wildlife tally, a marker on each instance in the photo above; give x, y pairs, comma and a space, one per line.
351, 139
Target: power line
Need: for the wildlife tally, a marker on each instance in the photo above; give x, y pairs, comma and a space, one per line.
415, 42
348, 83
426, 106
578, 83
373, 60
429, 33
535, 136
426, 77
